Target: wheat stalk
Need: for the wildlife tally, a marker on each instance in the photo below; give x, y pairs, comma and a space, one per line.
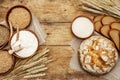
31, 67
38, 55
35, 75
109, 7
26, 66
35, 68
34, 63
17, 34
29, 60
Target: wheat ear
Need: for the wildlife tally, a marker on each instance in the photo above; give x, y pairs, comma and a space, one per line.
35, 75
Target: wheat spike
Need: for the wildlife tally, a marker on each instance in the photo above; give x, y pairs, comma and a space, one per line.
38, 55
35, 75
35, 68
34, 63
30, 68
109, 7
38, 70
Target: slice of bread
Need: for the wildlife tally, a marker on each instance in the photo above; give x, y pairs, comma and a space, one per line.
6, 62
98, 25
19, 16
98, 18
115, 25
115, 36
108, 20
4, 35
105, 31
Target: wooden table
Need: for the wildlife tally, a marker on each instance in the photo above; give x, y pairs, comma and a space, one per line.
55, 17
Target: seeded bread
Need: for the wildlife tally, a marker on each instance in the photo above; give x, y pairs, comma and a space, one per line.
6, 62
97, 55
19, 16
4, 35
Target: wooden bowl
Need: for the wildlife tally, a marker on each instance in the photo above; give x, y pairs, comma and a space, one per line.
4, 35
31, 42
7, 62
19, 16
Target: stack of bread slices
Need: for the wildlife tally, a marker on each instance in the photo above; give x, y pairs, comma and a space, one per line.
108, 27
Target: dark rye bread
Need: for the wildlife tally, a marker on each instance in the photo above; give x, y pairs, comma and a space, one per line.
6, 62
4, 35
19, 16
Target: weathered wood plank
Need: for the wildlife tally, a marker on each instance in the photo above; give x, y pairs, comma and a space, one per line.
45, 10
58, 33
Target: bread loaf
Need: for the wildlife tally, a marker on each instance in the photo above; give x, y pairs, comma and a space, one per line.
97, 55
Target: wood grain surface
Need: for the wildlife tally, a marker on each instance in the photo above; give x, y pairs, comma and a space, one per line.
55, 17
